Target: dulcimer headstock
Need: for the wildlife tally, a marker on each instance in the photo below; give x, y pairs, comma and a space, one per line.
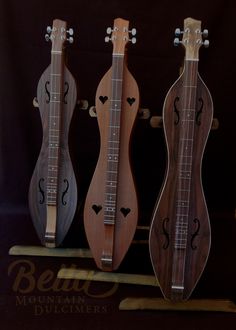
58, 34
120, 35
192, 38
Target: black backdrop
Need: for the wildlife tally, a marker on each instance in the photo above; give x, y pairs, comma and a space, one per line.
155, 63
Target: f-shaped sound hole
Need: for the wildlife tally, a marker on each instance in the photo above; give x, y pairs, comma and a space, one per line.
103, 99
130, 100
96, 208
125, 211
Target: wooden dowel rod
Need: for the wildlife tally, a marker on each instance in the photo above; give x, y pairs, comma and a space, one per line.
46, 252
91, 275
157, 122
208, 305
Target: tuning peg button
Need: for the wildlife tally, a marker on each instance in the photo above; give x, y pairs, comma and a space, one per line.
206, 43
205, 33
176, 42
70, 39
47, 38
178, 32
49, 29
133, 40
133, 31
109, 30
70, 32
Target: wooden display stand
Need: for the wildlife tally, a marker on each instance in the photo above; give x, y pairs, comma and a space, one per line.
129, 303
136, 279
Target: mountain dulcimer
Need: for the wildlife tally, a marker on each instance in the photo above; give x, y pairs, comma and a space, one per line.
53, 188
111, 207
180, 230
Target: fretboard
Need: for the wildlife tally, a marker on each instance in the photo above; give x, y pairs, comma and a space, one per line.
54, 126
185, 153
113, 144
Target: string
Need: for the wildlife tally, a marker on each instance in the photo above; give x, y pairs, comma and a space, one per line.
184, 172
54, 127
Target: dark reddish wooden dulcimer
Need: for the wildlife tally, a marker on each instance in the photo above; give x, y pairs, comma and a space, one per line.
180, 229
111, 207
53, 189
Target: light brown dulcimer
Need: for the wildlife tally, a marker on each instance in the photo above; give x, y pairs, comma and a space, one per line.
53, 189
111, 207
180, 229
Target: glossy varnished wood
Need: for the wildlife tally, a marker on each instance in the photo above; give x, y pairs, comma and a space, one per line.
163, 225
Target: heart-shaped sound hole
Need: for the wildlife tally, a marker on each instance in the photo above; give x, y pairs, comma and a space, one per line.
130, 100
96, 208
125, 211
103, 99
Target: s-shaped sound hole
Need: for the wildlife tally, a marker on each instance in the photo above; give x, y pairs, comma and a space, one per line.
65, 192
165, 233
176, 111
47, 91
195, 233
66, 92
41, 201
199, 112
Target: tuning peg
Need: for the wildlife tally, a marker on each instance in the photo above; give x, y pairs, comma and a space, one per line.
47, 37
206, 43
107, 39
177, 42
178, 32
133, 31
70, 39
205, 33
70, 32
133, 40
109, 30
49, 29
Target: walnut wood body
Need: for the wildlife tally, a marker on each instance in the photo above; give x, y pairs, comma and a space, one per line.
162, 231
67, 187
124, 227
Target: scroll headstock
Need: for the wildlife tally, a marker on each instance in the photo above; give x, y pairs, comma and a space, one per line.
120, 35
58, 35
192, 38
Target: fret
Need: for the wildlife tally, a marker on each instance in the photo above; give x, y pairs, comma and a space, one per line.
113, 145
109, 202
54, 118
189, 86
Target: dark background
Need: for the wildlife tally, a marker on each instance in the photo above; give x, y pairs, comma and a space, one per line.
155, 63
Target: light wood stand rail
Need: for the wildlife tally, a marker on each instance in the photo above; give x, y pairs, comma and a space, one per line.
129, 303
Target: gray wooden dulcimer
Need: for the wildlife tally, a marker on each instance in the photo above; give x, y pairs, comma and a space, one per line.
53, 189
180, 229
111, 207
